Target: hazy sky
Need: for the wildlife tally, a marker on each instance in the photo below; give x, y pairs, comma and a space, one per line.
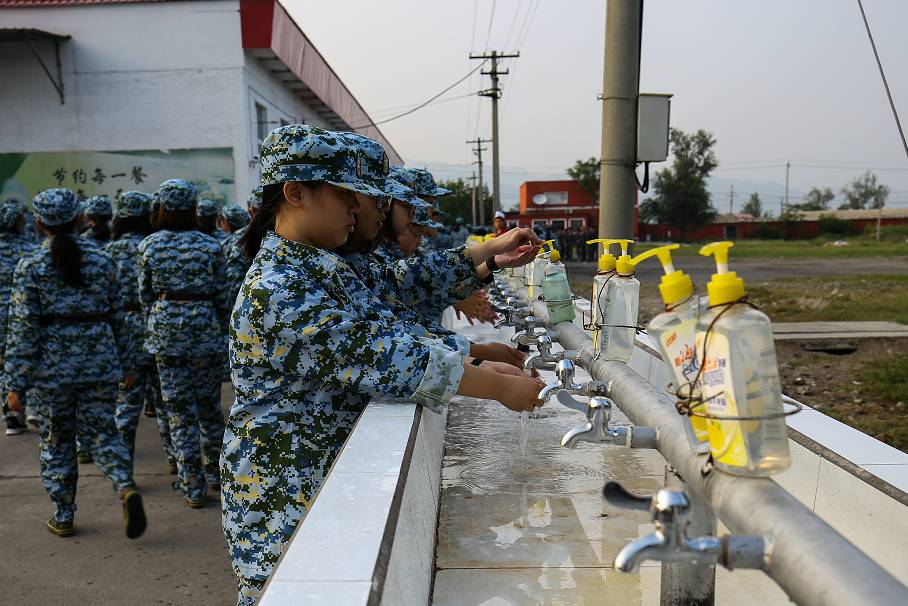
773, 80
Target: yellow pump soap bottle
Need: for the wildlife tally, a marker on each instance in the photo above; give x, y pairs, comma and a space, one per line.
616, 306
740, 377
600, 284
674, 331
536, 269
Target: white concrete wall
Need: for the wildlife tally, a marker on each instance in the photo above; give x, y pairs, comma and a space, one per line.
137, 76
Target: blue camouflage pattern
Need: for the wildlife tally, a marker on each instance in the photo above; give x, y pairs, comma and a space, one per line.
206, 207
56, 206
99, 205
425, 184
254, 202
421, 217
13, 247
177, 194
407, 178
299, 152
237, 261
309, 345
236, 216
44, 352
10, 211
132, 204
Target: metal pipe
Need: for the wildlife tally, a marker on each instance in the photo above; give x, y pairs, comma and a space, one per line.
813, 563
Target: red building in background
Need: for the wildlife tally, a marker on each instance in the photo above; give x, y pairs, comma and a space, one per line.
556, 204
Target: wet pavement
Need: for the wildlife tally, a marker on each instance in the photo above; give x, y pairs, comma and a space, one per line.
529, 527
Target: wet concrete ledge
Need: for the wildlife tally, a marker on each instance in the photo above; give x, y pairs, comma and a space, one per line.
369, 537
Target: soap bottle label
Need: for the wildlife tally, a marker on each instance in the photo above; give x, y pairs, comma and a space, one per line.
682, 357
726, 439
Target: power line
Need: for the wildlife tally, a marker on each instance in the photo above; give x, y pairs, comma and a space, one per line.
421, 105
389, 110
879, 64
513, 23
491, 18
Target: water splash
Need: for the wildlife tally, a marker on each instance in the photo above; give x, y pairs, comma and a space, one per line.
524, 432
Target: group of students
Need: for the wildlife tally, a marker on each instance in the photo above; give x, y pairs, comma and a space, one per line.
333, 303
116, 308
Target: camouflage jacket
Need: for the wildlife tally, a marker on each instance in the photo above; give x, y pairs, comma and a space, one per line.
12, 248
188, 263
418, 289
125, 254
45, 350
309, 345
237, 262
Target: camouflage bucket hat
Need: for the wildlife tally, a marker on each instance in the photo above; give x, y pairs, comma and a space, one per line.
373, 160
236, 216
56, 206
255, 198
299, 152
425, 184
10, 211
421, 217
132, 204
407, 179
177, 194
99, 205
206, 207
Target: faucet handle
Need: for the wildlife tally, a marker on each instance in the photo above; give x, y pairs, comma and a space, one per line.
616, 495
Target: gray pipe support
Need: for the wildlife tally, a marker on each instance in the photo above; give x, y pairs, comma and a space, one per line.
813, 563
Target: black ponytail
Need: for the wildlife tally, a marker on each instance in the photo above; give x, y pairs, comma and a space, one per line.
99, 227
263, 220
66, 254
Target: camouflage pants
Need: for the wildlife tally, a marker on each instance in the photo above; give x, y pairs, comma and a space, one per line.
191, 400
131, 403
64, 411
259, 518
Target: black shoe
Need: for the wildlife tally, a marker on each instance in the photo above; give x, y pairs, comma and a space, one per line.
133, 514
84, 458
198, 503
172, 467
34, 422
61, 529
14, 425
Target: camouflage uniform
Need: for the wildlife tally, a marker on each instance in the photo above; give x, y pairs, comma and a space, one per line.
181, 285
236, 216
237, 261
309, 345
98, 206
68, 342
206, 207
13, 247
125, 254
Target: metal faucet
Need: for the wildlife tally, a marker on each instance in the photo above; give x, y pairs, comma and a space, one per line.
529, 335
564, 381
670, 543
512, 315
544, 359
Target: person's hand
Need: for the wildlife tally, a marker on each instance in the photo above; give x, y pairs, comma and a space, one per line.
476, 308
520, 394
517, 258
501, 368
499, 352
13, 402
129, 379
506, 243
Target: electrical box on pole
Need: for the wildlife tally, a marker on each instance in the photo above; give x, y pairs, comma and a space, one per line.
653, 111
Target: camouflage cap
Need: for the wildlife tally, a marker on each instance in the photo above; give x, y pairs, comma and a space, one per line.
407, 179
421, 217
132, 204
235, 215
206, 207
177, 194
99, 205
299, 152
373, 160
255, 198
10, 211
56, 206
425, 184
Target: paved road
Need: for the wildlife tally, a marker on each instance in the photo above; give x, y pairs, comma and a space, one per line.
180, 560
759, 269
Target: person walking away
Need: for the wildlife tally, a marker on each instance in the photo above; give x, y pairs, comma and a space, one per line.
66, 339
181, 286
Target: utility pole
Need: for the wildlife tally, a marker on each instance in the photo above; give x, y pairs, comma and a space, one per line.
787, 171
473, 197
495, 94
620, 91
478, 152
731, 201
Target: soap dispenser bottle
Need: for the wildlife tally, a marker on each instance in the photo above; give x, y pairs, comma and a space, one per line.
556, 290
739, 378
674, 330
620, 304
599, 294
536, 270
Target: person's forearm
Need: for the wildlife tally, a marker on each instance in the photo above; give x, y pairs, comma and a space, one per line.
480, 383
479, 253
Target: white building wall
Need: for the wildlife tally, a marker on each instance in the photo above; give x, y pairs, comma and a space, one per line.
137, 76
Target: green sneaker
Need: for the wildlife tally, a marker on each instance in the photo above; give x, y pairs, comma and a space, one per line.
133, 513
61, 529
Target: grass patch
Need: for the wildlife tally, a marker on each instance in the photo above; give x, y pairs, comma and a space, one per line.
888, 379
858, 298
817, 248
